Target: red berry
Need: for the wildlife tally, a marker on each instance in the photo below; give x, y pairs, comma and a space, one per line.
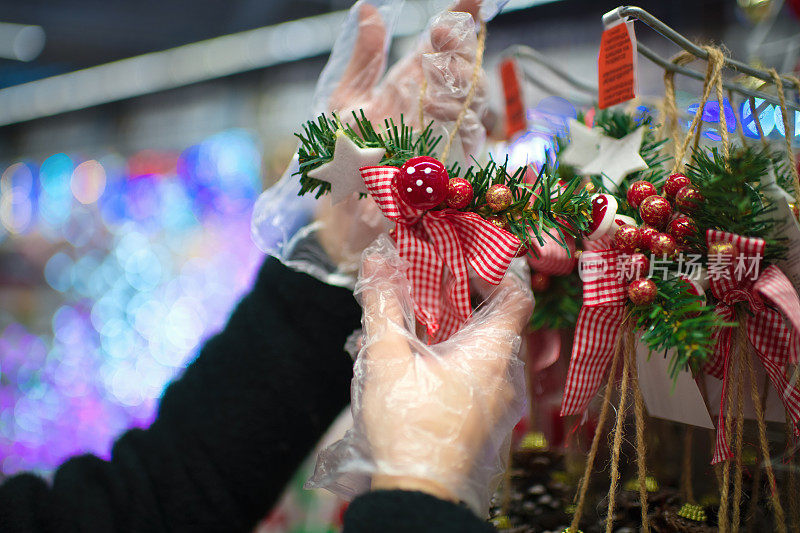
459, 193
663, 244
422, 182
639, 266
675, 183
626, 239
655, 211
646, 233
688, 199
540, 282
499, 197
682, 229
642, 291
638, 191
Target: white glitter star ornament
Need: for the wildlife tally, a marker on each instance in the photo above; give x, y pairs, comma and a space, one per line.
342, 171
596, 154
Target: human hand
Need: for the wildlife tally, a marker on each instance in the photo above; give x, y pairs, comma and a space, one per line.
436, 418
445, 59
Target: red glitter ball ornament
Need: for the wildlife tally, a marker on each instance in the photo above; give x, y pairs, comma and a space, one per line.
639, 266
626, 239
663, 244
646, 233
682, 229
422, 182
642, 291
674, 183
499, 197
459, 193
540, 282
688, 199
638, 191
655, 211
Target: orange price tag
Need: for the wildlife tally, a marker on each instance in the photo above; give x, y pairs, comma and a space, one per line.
616, 65
515, 103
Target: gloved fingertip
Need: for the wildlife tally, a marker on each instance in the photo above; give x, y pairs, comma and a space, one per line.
472, 7
366, 11
451, 32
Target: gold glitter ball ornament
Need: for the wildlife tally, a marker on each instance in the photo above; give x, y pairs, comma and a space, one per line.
498, 220
723, 251
499, 197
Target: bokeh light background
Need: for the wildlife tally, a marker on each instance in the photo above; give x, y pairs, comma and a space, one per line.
123, 265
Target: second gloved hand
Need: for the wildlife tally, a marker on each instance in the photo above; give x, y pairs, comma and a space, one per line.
430, 418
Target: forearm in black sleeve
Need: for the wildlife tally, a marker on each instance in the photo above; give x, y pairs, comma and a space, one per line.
229, 433
399, 511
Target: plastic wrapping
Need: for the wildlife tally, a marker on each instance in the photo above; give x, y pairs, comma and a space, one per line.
326, 240
442, 414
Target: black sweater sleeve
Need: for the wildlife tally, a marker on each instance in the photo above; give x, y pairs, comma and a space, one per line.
397, 511
229, 433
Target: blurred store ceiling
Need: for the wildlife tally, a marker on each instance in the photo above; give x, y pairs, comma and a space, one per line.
87, 33
83, 33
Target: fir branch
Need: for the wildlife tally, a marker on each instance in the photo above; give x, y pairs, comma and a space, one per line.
318, 139
558, 306
733, 200
677, 320
542, 207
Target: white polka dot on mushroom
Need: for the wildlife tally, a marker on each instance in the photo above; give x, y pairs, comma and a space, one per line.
427, 170
419, 183
409, 189
410, 170
429, 190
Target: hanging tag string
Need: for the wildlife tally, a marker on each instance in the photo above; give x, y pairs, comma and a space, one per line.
713, 78
670, 103
476, 72
788, 136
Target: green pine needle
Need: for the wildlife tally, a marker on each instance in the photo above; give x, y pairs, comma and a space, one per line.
318, 139
677, 320
733, 199
558, 306
539, 208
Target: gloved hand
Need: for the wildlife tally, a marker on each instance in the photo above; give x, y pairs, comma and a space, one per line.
445, 58
430, 418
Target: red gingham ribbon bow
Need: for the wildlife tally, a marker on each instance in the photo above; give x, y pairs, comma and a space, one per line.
604, 297
431, 240
770, 298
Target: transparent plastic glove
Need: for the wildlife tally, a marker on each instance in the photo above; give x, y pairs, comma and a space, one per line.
330, 247
431, 418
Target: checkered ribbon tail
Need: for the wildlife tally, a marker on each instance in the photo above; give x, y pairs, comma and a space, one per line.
772, 327
552, 258
439, 245
597, 331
